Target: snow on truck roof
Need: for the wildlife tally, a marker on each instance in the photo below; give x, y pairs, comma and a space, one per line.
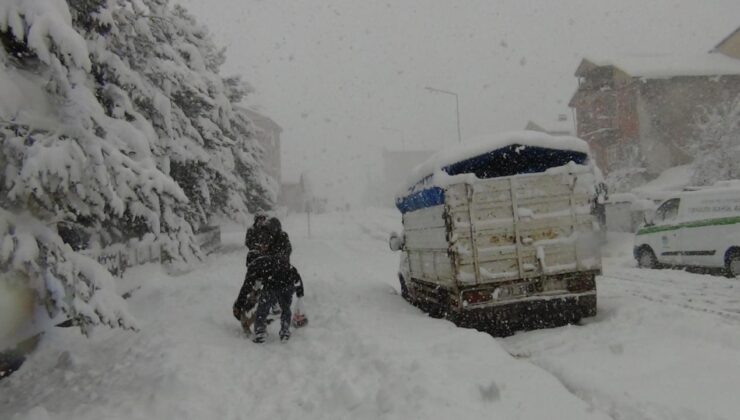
514, 153
482, 145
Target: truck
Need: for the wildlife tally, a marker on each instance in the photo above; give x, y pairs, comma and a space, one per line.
500, 235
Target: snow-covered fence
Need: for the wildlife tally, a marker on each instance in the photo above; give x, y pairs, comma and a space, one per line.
118, 257
209, 239
121, 256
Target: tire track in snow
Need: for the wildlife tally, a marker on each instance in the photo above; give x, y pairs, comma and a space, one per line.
660, 323
692, 292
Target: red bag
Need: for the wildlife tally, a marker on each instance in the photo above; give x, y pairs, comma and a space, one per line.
299, 316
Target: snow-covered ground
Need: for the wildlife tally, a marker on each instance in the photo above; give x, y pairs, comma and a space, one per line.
665, 345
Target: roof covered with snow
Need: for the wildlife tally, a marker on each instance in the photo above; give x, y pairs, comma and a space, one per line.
479, 145
664, 66
727, 39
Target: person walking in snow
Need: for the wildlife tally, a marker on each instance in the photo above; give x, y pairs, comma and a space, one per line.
260, 241
255, 239
267, 237
257, 243
274, 272
279, 242
270, 279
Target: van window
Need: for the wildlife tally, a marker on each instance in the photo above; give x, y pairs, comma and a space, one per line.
668, 211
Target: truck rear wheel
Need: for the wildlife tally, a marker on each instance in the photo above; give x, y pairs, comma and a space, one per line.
440, 308
404, 288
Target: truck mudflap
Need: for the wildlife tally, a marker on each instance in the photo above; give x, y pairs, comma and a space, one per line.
533, 313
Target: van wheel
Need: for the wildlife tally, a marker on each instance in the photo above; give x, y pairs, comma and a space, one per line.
733, 264
646, 259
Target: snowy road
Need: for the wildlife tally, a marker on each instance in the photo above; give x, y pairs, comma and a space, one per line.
665, 344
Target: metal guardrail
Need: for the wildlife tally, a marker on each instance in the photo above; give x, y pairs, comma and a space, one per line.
118, 258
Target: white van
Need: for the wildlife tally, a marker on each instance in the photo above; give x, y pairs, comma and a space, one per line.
694, 228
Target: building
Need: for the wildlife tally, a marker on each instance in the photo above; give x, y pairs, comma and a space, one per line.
300, 196
645, 107
267, 134
730, 46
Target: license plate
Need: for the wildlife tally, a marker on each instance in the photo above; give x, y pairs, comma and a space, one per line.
522, 289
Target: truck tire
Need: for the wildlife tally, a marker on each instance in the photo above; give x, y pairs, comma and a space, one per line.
404, 289
441, 307
646, 258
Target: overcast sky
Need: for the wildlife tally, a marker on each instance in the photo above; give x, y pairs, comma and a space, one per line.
333, 73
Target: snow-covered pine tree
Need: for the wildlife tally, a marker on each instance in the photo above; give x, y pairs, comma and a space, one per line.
259, 188
104, 102
167, 64
240, 183
111, 29
65, 159
717, 149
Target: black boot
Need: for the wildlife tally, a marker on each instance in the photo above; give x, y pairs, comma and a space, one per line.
259, 337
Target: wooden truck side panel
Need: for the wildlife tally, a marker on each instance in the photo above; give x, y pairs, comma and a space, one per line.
427, 246
523, 227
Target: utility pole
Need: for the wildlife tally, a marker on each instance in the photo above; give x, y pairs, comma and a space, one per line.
457, 107
308, 218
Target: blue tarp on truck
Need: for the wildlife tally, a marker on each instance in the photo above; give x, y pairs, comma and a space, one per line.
510, 160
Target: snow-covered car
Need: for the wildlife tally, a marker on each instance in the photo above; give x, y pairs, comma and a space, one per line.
693, 229
499, 235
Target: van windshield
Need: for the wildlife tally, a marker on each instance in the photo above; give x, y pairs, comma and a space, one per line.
668, 211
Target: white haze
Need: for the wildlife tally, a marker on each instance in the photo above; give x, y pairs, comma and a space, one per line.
333, 73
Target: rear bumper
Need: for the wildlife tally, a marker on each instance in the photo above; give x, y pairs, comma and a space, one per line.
527, 314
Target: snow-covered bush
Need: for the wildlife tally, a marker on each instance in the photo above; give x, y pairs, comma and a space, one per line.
157, 61
717, 146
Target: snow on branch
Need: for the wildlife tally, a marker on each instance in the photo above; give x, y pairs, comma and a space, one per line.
46, 26
66, 284
717, 146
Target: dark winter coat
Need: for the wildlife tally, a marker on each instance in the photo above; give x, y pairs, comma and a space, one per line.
268, 262
257, 239
267, 238
272, 275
